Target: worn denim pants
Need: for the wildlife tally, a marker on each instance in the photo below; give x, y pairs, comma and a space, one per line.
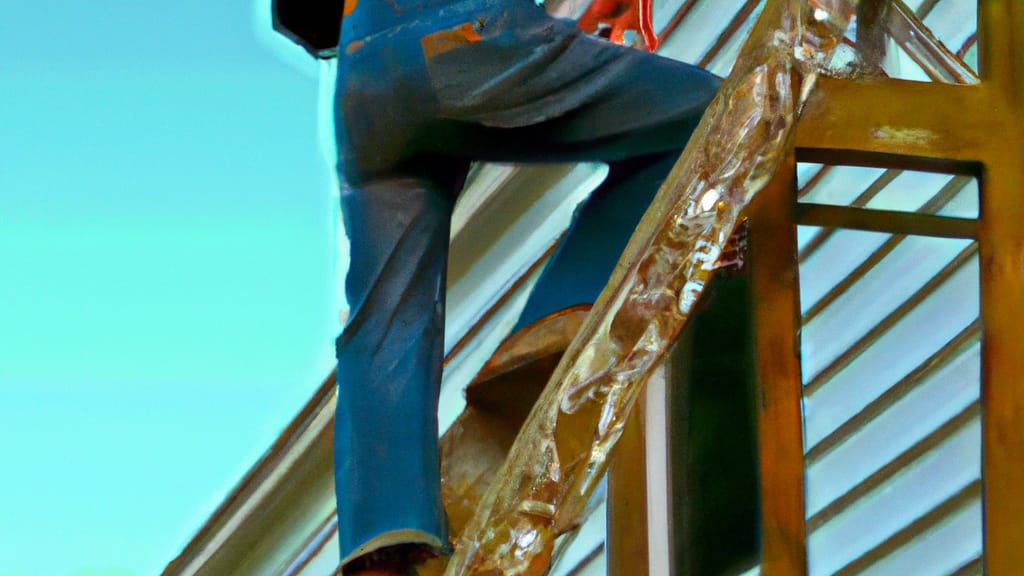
474, 80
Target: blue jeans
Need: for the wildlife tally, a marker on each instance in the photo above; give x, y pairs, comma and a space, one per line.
477, 80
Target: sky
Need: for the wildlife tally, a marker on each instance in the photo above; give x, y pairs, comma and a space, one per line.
167, 271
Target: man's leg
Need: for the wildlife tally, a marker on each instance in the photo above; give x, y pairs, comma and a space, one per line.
537, 89
389, 366
600, 229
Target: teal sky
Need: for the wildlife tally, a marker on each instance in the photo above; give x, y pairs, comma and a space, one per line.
166, 271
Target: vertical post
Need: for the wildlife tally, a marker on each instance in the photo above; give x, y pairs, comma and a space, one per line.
1001, 246
871, 36
627, 499
773, 266
657, 471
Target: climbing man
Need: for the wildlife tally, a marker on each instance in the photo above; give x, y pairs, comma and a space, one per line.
424, 88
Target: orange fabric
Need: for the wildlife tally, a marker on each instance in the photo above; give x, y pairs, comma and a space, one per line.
351, 49
621, 16
445, 40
